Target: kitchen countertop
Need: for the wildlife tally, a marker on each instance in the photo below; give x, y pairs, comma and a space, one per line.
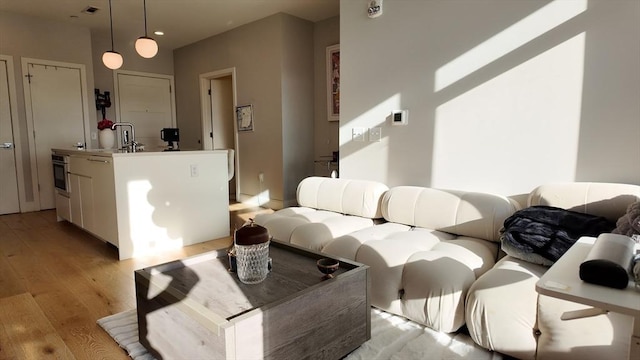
118, 152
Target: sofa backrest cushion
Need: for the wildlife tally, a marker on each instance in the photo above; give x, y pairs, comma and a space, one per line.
351, 197
609, 200
478, 215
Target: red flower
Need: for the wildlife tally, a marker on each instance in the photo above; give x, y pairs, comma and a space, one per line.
104, 124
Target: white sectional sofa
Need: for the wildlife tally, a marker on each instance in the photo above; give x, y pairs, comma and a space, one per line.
505, 313
435, 258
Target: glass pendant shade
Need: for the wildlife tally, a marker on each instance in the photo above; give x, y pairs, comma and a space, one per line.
112, 60
146, 47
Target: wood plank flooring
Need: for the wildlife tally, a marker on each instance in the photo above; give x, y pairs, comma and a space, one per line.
57, 280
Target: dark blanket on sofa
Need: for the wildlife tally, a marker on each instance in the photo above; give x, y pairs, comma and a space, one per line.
550, 231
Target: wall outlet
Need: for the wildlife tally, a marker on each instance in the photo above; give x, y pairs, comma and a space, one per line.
94, 135
261, 177
357, 133
375, 134
194, 170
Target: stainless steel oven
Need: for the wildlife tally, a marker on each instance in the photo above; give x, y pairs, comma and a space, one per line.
60, 176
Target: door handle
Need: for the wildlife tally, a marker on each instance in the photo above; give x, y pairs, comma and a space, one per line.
6, 145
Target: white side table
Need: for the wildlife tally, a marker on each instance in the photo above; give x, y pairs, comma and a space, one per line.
563, 281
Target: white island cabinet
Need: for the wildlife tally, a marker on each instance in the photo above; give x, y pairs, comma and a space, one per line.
148, 202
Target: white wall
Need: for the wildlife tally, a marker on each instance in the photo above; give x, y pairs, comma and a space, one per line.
502, 95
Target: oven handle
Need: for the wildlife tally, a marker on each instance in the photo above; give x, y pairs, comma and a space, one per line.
100, 161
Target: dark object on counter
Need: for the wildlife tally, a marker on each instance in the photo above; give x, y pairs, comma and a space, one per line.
170, 135
609, 261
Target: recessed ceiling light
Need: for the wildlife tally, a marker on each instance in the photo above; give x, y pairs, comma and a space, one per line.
160, 33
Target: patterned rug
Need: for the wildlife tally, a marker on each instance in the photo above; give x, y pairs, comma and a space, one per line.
392, 337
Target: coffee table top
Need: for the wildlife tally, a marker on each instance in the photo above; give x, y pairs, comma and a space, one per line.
206, 284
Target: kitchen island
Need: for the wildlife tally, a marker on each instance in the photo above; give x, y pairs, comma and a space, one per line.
146, 202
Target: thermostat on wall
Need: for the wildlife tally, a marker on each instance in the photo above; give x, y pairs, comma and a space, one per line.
399, 117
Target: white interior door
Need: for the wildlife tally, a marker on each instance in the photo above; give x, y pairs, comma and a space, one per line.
146, 101
9, 200
55, 103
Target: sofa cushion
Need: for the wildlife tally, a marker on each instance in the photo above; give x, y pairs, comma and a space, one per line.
328, 208
478, 215
501, 308
344, 196
609, 200
347, 246
604, 336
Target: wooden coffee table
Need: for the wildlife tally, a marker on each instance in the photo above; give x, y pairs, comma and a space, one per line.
195, 308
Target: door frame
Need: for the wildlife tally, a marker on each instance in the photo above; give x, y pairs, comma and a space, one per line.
116, 87
17, 139
29, 115
205, 105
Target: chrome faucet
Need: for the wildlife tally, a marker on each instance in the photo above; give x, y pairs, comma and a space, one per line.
125, 141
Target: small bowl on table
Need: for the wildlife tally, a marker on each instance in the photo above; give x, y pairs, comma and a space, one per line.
327, 266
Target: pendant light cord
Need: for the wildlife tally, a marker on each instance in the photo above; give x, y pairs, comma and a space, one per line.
144, 3
111, 24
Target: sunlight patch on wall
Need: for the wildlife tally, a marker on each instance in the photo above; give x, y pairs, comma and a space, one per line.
517, 130
147, 237
518, 34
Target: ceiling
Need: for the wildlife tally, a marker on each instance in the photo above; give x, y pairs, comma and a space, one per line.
182, 21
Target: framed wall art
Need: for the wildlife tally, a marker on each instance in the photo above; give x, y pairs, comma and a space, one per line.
333, 82
244, 115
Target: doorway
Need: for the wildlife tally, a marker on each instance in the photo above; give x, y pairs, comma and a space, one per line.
218, 99
9, 198
57, 110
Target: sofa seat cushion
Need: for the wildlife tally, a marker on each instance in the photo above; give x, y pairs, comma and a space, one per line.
603, 336
501, 308
347, 246
317, 234
422, 274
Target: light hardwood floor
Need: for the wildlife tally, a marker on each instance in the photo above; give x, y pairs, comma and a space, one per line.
56, 281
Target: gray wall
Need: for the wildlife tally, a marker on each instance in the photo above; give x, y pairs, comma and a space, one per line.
297, 104
326, 33
502, 95
272, 58
22, 36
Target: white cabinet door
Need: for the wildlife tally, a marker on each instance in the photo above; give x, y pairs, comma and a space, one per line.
74, 200
104, 200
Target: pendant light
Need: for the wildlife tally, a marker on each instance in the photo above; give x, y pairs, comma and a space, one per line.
146, 46
112, 59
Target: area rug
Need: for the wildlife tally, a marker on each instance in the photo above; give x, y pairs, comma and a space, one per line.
392, 337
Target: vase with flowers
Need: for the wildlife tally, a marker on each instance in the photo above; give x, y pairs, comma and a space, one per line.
106, 136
